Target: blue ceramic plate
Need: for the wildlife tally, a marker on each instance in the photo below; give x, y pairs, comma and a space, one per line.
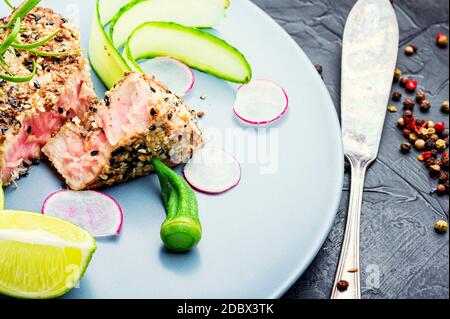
260, 236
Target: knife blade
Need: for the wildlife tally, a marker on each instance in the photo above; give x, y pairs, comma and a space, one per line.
369, 55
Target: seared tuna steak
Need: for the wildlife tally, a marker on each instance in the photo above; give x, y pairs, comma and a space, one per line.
116, 140
32, 112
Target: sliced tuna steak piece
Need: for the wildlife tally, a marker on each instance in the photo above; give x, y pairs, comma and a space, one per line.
116, 140
32, 112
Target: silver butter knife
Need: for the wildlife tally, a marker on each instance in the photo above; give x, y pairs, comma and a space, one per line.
369, 56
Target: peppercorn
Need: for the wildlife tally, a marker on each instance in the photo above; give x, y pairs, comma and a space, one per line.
407, 115
408, 104
445, 163
401, 122
419, 144
440, 145
406, 132
410, 49
441, 226
412, 137
405, 147
403, 81
435, 170
411, 86
434, 154
425, 105
420, 96
445, 107
440, 189
443, 177
430, 162
429, 145
434, 137
396, 96
94, 153
443, 134
424, 133
430, 124
392, 108
440, 126
419, 121
319, 69
342, 285
397, 74
442, 40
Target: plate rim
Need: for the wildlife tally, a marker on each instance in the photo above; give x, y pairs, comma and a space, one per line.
335, 200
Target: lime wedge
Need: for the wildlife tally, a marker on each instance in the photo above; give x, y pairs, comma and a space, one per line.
41, 256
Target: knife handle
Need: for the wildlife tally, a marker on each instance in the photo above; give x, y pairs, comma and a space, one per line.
348, 267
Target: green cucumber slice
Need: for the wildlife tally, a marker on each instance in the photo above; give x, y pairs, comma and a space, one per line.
195, 48
193, 13
108, 9
105, 59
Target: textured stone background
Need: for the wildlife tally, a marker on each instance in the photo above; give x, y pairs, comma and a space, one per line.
399, 245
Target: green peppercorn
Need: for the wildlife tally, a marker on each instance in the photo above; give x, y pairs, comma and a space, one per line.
397, 74
392, 108
445, 107
441, 145
441, 226
412, 137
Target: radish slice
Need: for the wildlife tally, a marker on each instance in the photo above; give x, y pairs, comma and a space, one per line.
96, 212
212, 171
260, 102
176, 75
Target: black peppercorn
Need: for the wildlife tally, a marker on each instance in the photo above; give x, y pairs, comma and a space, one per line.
342, 285
94, 153
420, 96
319, 69
425, 105
405, 147
408, 104
445, 163
435, 170
407, 115
420, 121
396, 96
430, 145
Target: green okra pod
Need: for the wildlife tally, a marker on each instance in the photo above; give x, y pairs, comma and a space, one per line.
181, 231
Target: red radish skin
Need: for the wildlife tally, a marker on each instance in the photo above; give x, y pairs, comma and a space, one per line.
119, 228
283, 112
222, 191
